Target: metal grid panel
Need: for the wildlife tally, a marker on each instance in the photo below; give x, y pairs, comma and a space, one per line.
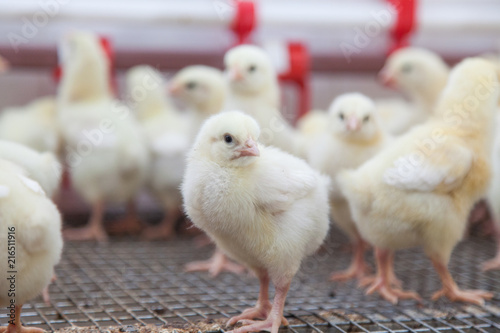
128, 282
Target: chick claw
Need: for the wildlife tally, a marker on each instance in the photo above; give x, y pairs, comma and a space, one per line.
391, 294
354, 271
470, 296
491, 264
215, 265
370, 280
271, 324
20, 329
87, 233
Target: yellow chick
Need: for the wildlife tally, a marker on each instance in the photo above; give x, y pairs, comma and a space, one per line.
263, 207
253, 89
353, 136
105, 148
420, 189
30, 232
33, 125
420, 75
168, 140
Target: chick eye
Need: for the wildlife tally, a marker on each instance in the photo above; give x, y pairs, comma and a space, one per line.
341, 116
228, 138
406, 68
191, 85
366, 118
252, 68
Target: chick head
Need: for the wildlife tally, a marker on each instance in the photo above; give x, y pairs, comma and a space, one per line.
410, 70
229, 139
249, 69
81, 48
353, 116
200, 87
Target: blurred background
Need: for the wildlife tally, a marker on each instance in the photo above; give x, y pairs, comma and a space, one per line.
322, 48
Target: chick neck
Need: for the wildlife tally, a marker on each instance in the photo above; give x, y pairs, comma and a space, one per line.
85, 80
359, 138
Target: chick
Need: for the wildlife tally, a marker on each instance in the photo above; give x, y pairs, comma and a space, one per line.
253, 89
353, 136
202, 89
420, 189
420, 75
30, 229
33, 125
43, 168
263, 207
493, 198
104, 146
309, 128
168, 140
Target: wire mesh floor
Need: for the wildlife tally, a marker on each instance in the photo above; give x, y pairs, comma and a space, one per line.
130, 285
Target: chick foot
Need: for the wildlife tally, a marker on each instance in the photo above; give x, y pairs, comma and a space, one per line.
94, 231
451, 290
215, 265
17, 327
166, 228
385, 279
261, 310
391, 276
390, 293
271, 324
358, 268
491, 264
90, 233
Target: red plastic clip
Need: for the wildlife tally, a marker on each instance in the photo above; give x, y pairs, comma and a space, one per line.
405, 22
298, 73
244, 21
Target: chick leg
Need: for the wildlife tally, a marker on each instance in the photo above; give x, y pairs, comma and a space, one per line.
358, 268
382, 282
391, 276
129, 225
45, 291
495, 262
216, 264
17, 327
94, 230
166, 228
275, 315
451, 290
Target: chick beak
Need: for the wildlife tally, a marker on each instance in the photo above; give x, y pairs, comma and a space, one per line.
353, 124
174, 89
235, 74
386, 78
250, 148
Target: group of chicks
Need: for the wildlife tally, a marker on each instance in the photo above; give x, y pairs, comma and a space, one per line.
391, 174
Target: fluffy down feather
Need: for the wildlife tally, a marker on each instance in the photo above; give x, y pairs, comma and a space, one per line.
419, 191
104, 145
352, 137
33, 125
263, 207
44, 168
38, 240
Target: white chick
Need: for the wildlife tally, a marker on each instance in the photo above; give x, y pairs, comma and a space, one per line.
30, 230
168, 140
254, 89
105, 148
420, 189
420, 75
309, 128
203, 91
44, 168
33, 125
353, 136
493, 198
263, 207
